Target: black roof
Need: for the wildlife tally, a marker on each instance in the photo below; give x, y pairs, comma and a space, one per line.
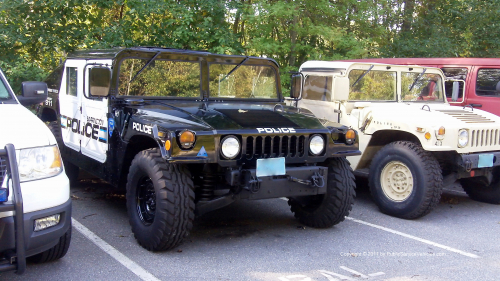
116, 53
111, 53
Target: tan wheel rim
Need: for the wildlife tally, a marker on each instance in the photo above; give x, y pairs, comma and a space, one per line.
396, 181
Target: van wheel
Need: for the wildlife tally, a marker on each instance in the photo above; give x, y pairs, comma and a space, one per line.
405, 180
160, 201
56, 252
326, 210
71, 170
479, 190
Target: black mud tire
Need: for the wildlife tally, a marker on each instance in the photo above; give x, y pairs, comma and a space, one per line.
480, 190
71, 170
421, 171
160, 201
327, 210
56, 252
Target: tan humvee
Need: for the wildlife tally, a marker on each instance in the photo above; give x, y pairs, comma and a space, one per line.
412, 141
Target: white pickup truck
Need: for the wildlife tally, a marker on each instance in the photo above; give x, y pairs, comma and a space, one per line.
35, 204
412, 141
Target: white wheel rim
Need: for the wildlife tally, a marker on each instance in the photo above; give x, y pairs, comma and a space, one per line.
396, 181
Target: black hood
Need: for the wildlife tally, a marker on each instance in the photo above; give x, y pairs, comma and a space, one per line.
225, 116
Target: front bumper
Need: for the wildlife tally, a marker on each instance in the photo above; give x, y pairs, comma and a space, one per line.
35, 242
478, 160
298, 181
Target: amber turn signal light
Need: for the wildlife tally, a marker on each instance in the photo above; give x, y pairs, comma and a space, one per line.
186, 139
350, 136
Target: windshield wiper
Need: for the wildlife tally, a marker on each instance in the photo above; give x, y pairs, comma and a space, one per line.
144, 67
416, 79
236, 67
362, 75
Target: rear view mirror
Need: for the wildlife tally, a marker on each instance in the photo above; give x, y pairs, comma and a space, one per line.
99, 81
33, 92
296, 89
341, 88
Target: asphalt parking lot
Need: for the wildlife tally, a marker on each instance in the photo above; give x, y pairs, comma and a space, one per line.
261, 240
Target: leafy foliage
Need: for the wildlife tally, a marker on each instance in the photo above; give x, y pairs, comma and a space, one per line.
36, 35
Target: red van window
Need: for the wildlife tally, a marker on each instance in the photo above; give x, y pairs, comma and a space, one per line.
488, 82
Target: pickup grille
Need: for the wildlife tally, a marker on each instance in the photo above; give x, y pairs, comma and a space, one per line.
484, 138
3, 169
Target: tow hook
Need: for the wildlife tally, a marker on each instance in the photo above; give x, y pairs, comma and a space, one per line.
254, 184
316, 180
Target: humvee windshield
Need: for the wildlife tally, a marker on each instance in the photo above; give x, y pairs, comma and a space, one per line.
161, 78
245, 82
182, 79
374, 85
421, 87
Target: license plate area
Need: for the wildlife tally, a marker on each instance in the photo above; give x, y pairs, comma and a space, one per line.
270, 167
485, 160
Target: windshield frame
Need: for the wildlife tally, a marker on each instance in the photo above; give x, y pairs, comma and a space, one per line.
11, 99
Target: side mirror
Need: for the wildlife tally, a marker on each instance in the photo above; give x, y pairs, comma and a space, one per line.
33, 92
296, 89
454, 91
341, 88
99, 81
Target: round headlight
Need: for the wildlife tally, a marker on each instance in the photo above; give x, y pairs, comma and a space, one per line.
316, 145
463, 138
230, 147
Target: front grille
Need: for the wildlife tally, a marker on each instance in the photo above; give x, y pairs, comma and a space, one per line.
3, 168
467, 116
259, 147
483, 138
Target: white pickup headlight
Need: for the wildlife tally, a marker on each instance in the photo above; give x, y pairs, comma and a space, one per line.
230, 147
316, 145
39, 162
463, 138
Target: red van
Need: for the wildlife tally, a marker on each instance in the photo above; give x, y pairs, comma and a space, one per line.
481, 77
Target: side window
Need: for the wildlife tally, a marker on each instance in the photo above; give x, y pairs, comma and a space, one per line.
54, 80
454, 73
71, 81
488, 82
4, 94
161, 78
426, 87
317, 88
376, 85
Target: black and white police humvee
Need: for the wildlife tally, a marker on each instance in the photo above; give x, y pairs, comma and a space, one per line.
187, 132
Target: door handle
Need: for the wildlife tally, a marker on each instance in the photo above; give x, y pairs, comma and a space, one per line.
476, 105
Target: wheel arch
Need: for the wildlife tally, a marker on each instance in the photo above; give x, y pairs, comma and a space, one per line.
381, 138
47, 114
135, 145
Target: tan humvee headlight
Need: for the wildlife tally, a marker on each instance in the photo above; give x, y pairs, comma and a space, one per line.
463, 138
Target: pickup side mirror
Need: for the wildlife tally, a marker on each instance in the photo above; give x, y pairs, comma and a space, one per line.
33, 92
99, 81
341, 89
296, 89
